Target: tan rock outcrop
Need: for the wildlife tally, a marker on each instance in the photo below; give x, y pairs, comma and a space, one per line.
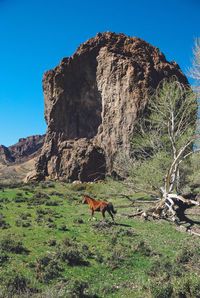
92, 102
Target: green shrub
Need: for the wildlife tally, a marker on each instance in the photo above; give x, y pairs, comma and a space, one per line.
52, 225
188, 254
41, 211
78, 187
187, 286
143, 249
4, 224
118, 256
3, 257
26, 224
184, 255
17, 284
11, 245
72, 255
77, 288
19, 194
160, 268
63, 228
86, 251
4, 200
162, 290
20, 199
53, 203
99, 257
18, 223
52, 242
50, 184
107, 289
48, 267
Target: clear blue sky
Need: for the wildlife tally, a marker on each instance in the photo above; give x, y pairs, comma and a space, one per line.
36, 34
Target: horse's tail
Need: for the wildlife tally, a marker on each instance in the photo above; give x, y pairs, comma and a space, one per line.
111, 208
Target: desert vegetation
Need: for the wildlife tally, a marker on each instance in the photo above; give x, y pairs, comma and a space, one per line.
49, 249
163, 148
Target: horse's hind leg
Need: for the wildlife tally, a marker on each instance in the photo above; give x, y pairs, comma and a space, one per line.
111, 214
103, 214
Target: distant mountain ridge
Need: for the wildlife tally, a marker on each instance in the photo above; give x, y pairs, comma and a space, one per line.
24, 150
19, 159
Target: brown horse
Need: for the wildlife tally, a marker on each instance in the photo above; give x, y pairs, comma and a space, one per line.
99, 206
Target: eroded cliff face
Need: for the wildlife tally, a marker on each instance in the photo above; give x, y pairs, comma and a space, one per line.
92, 102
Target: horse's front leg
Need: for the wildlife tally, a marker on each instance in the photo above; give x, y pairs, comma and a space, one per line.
92, 215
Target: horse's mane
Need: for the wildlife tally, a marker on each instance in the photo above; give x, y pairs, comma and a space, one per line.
89, 197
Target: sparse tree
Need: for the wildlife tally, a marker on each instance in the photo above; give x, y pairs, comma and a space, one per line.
194, 71
163, 142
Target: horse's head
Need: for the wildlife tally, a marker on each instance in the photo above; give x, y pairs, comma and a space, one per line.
84, 200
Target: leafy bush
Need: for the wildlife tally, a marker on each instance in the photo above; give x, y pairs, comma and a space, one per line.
77, 288
78, 187
102, 226
118, 255
63, 228
18, 223
17, 284
3, 257
86, 251
162, 290
47, 273
52, 242
143, 249
39, 198
47, 268
53, 203
26, 224
4, 200
107, 290
20, 199
160, 268
11, 245
52, 225
41, 211
99, 257
72, 255
188, 254
50, 184
187, 286
4, 224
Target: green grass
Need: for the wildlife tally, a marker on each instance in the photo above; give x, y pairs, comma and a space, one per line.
52, 248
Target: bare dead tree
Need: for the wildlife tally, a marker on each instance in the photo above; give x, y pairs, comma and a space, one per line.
162, 143
194, 71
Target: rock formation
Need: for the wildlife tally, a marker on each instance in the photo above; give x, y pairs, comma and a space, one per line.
92, 102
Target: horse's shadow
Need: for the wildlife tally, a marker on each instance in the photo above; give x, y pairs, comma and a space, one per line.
180, 212
122, 225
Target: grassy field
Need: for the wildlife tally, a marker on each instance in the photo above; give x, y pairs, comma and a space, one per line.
48, 248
